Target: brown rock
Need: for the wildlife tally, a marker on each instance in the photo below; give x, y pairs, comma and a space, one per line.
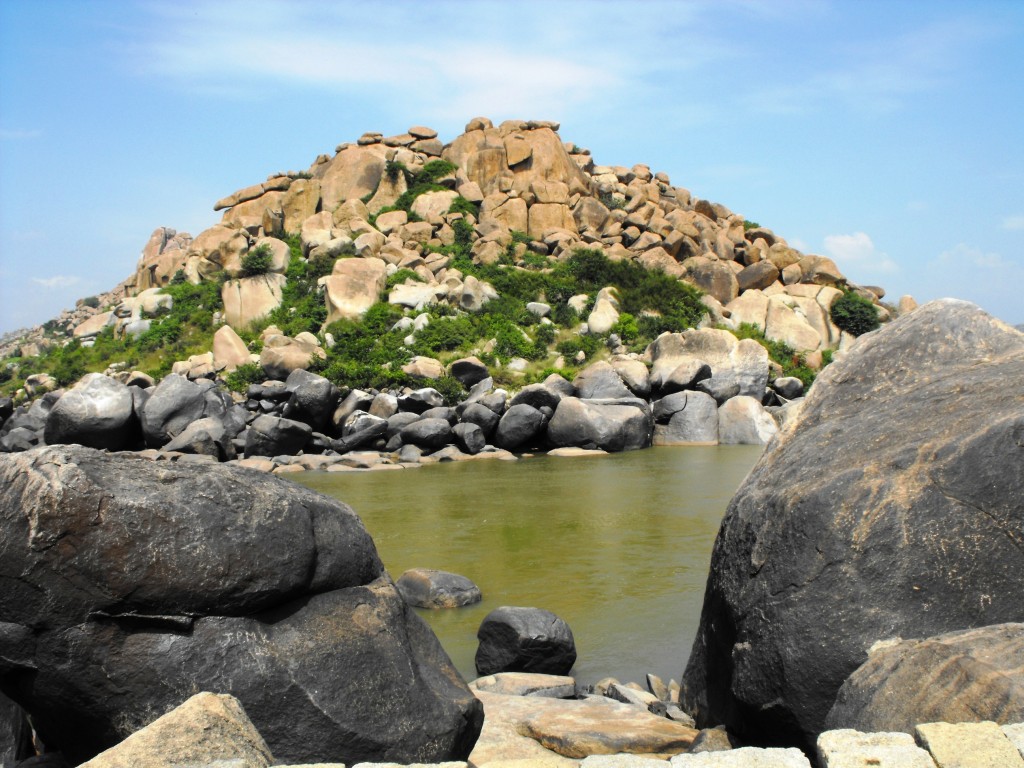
820, 271
713, 276
205, 729
352, 174
251, 298
354, 287
545, 216
229, 351
758, 276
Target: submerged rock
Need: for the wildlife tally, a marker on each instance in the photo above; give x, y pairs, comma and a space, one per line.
429, 588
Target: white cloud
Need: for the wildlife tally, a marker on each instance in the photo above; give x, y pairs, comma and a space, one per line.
1013, 222
856, 253
57, 281
963, 254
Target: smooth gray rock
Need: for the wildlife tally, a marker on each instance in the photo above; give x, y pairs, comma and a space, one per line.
271, 592
537, 396
744, 421
313, 399
519, 639
694, 419
97, 412
174, 404
420, 400
721, 389
430, 434
624, 424
207, 437
482, 416
273, 436
469, 438
600, 381
789, 387
519, 426
879, 503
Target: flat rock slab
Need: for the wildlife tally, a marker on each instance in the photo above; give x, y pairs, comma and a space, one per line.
969, 745
598, 726
501, 739
526, 684
745, 757
847, 748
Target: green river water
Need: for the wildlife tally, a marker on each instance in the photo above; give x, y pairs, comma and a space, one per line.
616, 545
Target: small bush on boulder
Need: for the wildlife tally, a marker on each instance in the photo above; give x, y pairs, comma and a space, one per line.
854, 314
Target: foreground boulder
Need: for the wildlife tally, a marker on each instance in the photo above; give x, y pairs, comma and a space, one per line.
957, 677
870, 516
515, 639
205, 729
127, 583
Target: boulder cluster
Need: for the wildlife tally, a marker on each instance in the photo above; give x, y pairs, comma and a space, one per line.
702, 386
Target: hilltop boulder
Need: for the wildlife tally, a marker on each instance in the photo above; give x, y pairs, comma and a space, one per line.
126, 583
876, 505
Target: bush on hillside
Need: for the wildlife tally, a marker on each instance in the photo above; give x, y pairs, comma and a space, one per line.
854, 314
257, 261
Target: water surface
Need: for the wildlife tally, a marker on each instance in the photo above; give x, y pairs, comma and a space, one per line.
616, 545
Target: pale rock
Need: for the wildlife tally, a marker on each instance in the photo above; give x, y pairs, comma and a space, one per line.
526, 684
350, 218
368, 244
543, 217
787, 324
471, 191
744, 757
846, 748
299, 203
906, 304
208, 729
391, 221
282, 355
511, 212
658, 258
93, 325
249, 299
742, 420
602, 317
415, 295
352, 174
424, 368
820, 271
475, 293
229, 351
749, 307
388, 192
744, 362
550, 191
353, 287
634, 375
970, 745
431, 206
517, 149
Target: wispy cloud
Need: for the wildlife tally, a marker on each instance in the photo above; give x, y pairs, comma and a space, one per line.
963, 254
857, 253
1014, 223
15, 134
57, 281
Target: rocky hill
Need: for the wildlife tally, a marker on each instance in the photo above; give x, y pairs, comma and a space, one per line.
380, 266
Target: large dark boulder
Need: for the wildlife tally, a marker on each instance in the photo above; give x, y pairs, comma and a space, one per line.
428, 433
624, 424
273, 436
126, 584
96, 412
206, 437
15, 734
313, 399
600, 381
519, 639
959, 677
890, 506
482, 416
174, 404
520, 426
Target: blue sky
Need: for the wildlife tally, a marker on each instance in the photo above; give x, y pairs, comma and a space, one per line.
887, 135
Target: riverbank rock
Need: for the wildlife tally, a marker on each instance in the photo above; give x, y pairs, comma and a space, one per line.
866, 519
429, 588
624, 424
125, 584
205, 729
517, 639
957, 677
97, 412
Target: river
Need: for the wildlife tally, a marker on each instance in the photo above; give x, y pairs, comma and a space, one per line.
616, 545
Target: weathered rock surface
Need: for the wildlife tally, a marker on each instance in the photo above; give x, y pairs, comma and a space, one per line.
879, 500
205, 729
527, 684
846, 748
127, 583
519, 639
97, 412
174, 404
610, 425
430, 588
957, 677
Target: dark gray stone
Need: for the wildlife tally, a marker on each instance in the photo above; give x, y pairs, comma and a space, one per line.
790, 387
313, 399
442, 412
482, 416
96, 412
420, 400
211, 577
517, 639
429, 588
958, 677
624, 424
15, 734
720, 389
520, 426
175, 403
20, 439
868, 519
399, 421
469, 437
356, 400
273, 436
600, 381
560, 384
686, 375
363, 438
428, 433
537, 396
468, 371
758, 275
207, 437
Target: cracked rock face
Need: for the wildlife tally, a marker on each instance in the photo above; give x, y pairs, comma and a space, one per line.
892, 506
128, 585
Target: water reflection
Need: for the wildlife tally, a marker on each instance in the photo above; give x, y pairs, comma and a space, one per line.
617, 545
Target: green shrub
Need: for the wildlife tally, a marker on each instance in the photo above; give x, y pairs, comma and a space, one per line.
748, 225
791, 361
626, 328
91, 301
257, 261
400, 277
463, 206
244, 375
854, 314
179, 277
587, 344
450, 389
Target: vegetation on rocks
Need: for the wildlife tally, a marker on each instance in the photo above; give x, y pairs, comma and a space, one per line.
855, 314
